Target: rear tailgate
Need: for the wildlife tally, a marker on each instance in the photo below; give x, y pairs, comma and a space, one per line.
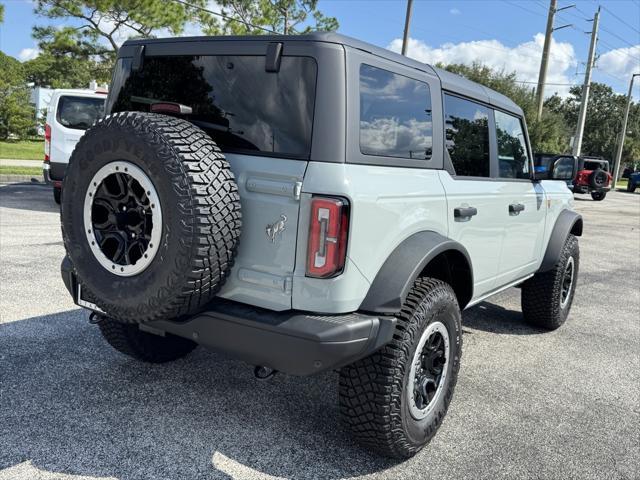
270, 196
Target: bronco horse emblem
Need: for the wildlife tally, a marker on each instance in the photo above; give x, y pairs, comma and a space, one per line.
276, 228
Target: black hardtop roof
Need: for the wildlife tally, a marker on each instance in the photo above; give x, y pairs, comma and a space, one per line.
450, 81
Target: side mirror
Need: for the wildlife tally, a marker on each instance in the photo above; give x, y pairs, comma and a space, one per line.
541, 172
564, 168
557, 168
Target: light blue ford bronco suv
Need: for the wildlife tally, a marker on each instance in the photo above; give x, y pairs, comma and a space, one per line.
308, 203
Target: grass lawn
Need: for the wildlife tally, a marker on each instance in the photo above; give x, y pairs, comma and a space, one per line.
35, 171
622, 183
22, 149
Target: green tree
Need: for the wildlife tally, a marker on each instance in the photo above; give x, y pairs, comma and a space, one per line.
603, 121
1, 13
17, 115
73, 56
63, 71
255, 17
115, 20
68, 60
550, 134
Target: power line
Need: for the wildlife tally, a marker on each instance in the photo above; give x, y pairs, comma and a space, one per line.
621, 20
523, 8
616, 51
226, 17
618, 37
610, 75
550, 83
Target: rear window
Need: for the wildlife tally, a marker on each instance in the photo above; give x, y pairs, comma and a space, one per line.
79, 113
594, 165
243, 107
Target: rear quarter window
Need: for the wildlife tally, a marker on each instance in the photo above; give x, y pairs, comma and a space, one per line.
79, 113
395, 115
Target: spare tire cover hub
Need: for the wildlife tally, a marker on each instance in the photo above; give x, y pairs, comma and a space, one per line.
122, 218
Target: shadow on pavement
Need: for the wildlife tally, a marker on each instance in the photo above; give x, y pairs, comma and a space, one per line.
493, 318
37, 197
71, 404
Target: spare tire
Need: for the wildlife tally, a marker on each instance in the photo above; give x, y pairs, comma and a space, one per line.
598, 179
150, 216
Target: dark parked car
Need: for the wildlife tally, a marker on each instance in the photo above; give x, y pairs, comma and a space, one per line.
634, 181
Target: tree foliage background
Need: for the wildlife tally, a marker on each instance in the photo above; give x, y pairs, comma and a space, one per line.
17, 115
553, 132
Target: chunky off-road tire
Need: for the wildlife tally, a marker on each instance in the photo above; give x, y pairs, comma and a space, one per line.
200, 222
544, 304
57, 195
374, 401
598, 196
598, 179
127, 338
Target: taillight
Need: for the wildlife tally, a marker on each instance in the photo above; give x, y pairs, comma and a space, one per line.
47, 142
328, 231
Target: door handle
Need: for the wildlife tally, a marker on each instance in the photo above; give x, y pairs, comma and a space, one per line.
515, 208
464, 213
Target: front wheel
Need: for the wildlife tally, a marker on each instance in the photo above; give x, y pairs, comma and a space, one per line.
547, 296
395, 400
57, 195
631, 187
598, 196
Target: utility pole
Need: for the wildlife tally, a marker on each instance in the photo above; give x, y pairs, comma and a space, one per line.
407, 21
542, 76
577, 143
616, 162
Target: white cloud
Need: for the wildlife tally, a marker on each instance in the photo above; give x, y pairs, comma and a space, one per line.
28, 54
455, 11
621, 62
524, 59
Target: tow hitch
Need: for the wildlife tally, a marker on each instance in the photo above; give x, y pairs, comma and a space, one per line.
264, 373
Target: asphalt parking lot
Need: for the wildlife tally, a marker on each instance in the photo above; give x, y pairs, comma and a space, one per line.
528, 404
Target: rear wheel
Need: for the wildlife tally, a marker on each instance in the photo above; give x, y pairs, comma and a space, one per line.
395, 400
631, 187
598, 196
127, 338
57, 195
547, 296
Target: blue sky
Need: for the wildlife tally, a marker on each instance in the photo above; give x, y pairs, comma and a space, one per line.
505, 34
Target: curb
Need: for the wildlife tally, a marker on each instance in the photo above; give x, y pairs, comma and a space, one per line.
9, 178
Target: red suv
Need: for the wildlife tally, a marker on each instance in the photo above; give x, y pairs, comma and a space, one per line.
593, 177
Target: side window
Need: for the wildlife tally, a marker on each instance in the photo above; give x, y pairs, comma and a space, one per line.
395, 115
467, 136
513, 160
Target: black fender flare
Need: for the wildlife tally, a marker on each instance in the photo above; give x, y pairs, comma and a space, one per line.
393, 281
568, 222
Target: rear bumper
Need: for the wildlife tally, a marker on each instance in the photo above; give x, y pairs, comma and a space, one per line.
294, 342
53, 173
